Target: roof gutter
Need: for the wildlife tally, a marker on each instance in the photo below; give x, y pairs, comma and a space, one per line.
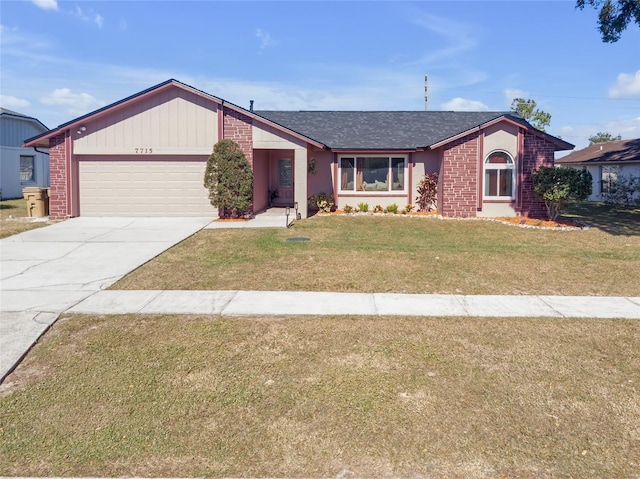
38, 151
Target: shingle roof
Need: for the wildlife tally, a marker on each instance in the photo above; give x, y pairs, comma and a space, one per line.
371, 130
618, 151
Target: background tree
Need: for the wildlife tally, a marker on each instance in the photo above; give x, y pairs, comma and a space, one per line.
614, 16
229, 178
602, 137
558, 186
527, 110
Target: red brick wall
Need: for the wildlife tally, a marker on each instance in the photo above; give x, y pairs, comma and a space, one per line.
58, 178
537, 152
238, 127
458, 182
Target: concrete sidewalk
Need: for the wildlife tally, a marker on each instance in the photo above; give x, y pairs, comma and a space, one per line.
275, 303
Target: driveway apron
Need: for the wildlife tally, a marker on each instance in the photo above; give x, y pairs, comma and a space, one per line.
46, 271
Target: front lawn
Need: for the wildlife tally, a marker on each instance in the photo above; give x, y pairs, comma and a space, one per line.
171, 396
406, 255
14, 218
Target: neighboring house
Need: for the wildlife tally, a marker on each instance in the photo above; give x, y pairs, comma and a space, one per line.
19, 166
146, 154
606, 162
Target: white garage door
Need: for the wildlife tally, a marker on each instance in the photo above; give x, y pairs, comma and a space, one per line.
143, 188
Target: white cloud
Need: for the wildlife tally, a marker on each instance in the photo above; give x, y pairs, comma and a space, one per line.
46, 4
627, 86
91, 17
459, 37
265, 39
627, 128
75, 103
511, 94
462, 104
12, 102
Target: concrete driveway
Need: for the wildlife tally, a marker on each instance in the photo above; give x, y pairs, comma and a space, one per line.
45, 271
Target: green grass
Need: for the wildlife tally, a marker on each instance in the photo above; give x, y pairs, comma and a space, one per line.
156, 396
407, 255
14, 218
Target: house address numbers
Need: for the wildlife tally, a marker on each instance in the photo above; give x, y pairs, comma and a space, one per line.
143, 151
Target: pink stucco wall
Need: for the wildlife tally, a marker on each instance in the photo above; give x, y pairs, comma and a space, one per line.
322, 180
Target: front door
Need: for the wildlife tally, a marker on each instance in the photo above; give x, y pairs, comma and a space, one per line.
283, 184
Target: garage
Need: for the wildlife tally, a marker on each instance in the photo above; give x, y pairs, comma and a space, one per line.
133, 187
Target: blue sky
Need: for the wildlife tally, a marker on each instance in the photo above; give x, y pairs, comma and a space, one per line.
61, 59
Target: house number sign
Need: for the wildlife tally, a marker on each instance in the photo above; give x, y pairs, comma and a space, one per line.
143, 151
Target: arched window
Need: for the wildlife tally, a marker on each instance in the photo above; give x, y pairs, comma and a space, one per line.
499, 175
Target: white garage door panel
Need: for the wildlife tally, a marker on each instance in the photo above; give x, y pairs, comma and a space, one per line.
143, 188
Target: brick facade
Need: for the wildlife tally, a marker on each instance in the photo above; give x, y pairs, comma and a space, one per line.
458, 181
238, 127
537, 152
58, 177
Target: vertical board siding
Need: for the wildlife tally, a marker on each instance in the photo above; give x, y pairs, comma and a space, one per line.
170, 122
13, 131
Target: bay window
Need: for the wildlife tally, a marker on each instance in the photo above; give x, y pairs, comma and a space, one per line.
372, 173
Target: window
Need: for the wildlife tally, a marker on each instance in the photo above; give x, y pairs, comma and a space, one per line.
372, 173
499, 173
608, 178
26, 168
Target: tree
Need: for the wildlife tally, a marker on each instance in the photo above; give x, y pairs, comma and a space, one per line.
558, 186
527, 110
229, 178
614, 17
602, 137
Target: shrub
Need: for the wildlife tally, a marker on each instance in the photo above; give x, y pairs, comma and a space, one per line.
229, 179
626, 192
363, 207
378, 209
427, 192
558, 186
408, 209
322, 201
348, 209
392, 208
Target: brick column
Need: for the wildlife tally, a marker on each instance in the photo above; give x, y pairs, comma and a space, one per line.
458, 182
238, 127
537, 152
59, 176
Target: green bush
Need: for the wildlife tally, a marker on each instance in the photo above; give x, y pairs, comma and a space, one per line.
363, 207
393, 209
229, 179
559, 186
322, 201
